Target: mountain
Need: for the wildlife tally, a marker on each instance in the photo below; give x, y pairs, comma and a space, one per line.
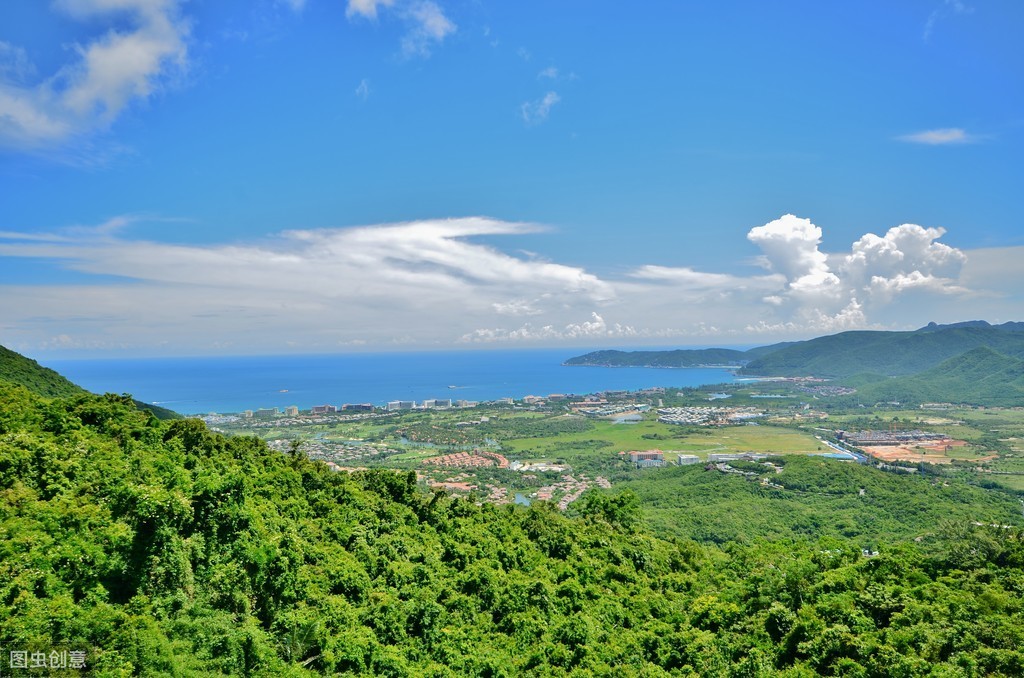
1008, 326
886, 353
160, 548
21, 371
837, 355
980, 376
17, 369
676, 358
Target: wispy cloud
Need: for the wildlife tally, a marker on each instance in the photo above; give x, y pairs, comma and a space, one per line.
946, 9
129, 62
428, 26
550, 72
366, 8
940, 137
536, 112
363, 89
431, 282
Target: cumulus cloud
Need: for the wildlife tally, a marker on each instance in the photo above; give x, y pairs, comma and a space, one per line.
107, 73
939, 137
536, 112
907, 257
830, 291
428, 26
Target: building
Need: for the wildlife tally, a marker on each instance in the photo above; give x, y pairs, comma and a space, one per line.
437, 402
266, 412
714, 458
324, 409
396, 405
357, 407
687, 459
291, 411
647, 455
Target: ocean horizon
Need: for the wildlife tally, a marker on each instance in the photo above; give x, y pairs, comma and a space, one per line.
200, 385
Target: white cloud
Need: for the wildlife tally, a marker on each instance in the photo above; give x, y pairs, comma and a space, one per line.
550, 72
939, 137
428, 26
907, 257
515, 307
536, 112
945, 9
431, 282
363, 90
366, 8
595, 328
827, 292
107, 74
790, 246
15, 66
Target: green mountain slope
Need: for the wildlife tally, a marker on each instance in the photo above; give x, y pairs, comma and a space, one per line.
817, 497
980, 376
163, 549
886, 353
839, 355
676, 358
17, 369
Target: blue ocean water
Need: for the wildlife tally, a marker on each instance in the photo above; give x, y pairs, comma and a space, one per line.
234, 384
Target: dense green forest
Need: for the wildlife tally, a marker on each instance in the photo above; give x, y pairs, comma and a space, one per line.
160, 548
980, 376
887, 353
17, 369
810, 497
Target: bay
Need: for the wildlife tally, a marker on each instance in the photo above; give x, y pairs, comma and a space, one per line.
237, 383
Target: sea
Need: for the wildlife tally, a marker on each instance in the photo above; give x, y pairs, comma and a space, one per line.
234, 384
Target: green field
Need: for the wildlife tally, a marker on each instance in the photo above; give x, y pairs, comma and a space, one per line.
607, 437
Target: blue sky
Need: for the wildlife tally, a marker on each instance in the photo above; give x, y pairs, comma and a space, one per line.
271, 176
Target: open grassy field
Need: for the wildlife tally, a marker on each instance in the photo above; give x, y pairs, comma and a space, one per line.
612, 438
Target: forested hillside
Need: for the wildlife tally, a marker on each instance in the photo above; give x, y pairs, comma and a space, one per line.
676, 358
17, 369
812, 496
886, 353
163, 549
842, 355
978, 377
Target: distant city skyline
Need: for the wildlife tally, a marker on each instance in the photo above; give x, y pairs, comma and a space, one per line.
315, 176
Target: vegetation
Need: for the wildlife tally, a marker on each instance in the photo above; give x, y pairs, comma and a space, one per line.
17, 369
164, 549
812, 497
887, 353
980, 376
676, 358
